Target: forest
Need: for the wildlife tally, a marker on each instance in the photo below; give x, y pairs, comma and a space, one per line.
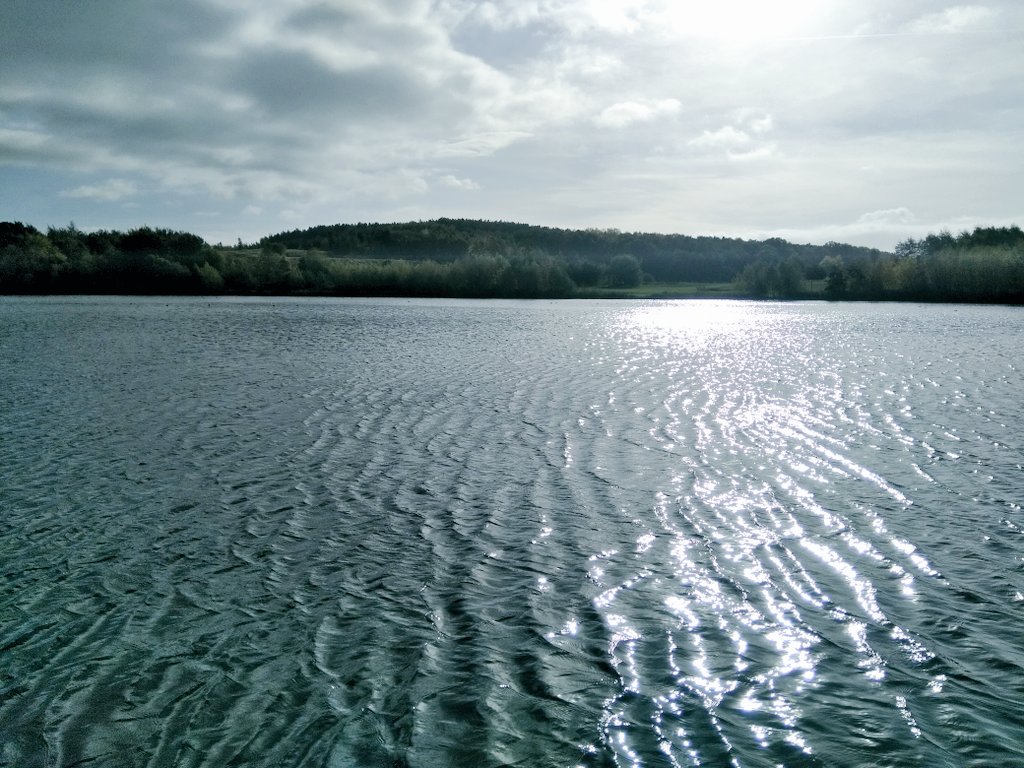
481, 259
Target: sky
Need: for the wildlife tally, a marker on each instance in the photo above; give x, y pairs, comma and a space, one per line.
860, 121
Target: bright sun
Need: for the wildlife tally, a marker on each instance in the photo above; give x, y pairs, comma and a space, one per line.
741, 19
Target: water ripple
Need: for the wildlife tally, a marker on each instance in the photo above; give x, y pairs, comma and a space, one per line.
395, 533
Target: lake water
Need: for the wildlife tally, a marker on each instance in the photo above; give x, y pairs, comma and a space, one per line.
437, 533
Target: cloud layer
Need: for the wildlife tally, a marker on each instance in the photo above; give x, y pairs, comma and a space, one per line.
235, 120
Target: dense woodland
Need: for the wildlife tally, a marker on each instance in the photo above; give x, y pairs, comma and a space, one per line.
467, 258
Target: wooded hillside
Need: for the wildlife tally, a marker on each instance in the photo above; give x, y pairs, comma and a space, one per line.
456, 258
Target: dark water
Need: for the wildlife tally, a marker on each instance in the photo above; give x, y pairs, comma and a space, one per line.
388, 533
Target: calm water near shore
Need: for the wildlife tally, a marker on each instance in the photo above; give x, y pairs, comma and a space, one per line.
330, 532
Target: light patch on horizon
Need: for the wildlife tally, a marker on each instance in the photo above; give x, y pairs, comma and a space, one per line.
887, 218
894, 225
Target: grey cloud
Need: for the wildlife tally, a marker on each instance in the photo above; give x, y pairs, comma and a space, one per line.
321, 17
46, 40
508, 49
17, 144
182, 88
284, 82
382, 28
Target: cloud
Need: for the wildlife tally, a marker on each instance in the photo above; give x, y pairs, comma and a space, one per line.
758, 153
108, 191
257, 103
498, 14
739, 144
887, 218
620, 17
479, 144
726, 137
564, 112
761, 124
456, 183
960, 18
18, 144
628, 112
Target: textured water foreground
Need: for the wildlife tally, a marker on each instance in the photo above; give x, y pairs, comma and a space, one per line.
322, 532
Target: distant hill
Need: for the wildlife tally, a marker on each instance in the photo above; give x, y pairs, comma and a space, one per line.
662, 258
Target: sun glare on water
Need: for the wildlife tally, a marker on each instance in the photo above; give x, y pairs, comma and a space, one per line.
741, 19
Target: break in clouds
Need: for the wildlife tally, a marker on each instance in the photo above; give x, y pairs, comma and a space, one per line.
812, 121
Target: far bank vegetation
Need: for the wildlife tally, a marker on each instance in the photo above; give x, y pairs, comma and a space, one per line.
467, 258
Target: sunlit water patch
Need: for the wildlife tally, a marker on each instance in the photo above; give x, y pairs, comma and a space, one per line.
393, 533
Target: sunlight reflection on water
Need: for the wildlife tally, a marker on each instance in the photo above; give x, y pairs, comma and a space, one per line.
761, 422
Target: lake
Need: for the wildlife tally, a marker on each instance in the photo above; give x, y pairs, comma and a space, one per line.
330, 532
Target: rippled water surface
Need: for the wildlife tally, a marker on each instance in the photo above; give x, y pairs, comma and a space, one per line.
391, 533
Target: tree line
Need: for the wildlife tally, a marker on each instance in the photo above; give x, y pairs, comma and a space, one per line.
161, 261
986, 265
461, 258
586, 252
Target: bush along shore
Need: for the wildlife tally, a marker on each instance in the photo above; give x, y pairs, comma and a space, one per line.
474, 259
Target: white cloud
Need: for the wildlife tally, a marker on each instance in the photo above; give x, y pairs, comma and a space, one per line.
761, 124
457, 183
109, 191
14, 141
744, 139
726, 137
479, 144
887, 218
759, 153
960, 18
496, 14
628, 112
619, 16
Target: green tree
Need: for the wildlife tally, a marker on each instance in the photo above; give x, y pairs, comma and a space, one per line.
210, 280
624, 271
835, 277
584, 272
33, 264
316, 270
790, 278
273, 273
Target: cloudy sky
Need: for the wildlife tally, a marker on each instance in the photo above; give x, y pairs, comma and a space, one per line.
864, 121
